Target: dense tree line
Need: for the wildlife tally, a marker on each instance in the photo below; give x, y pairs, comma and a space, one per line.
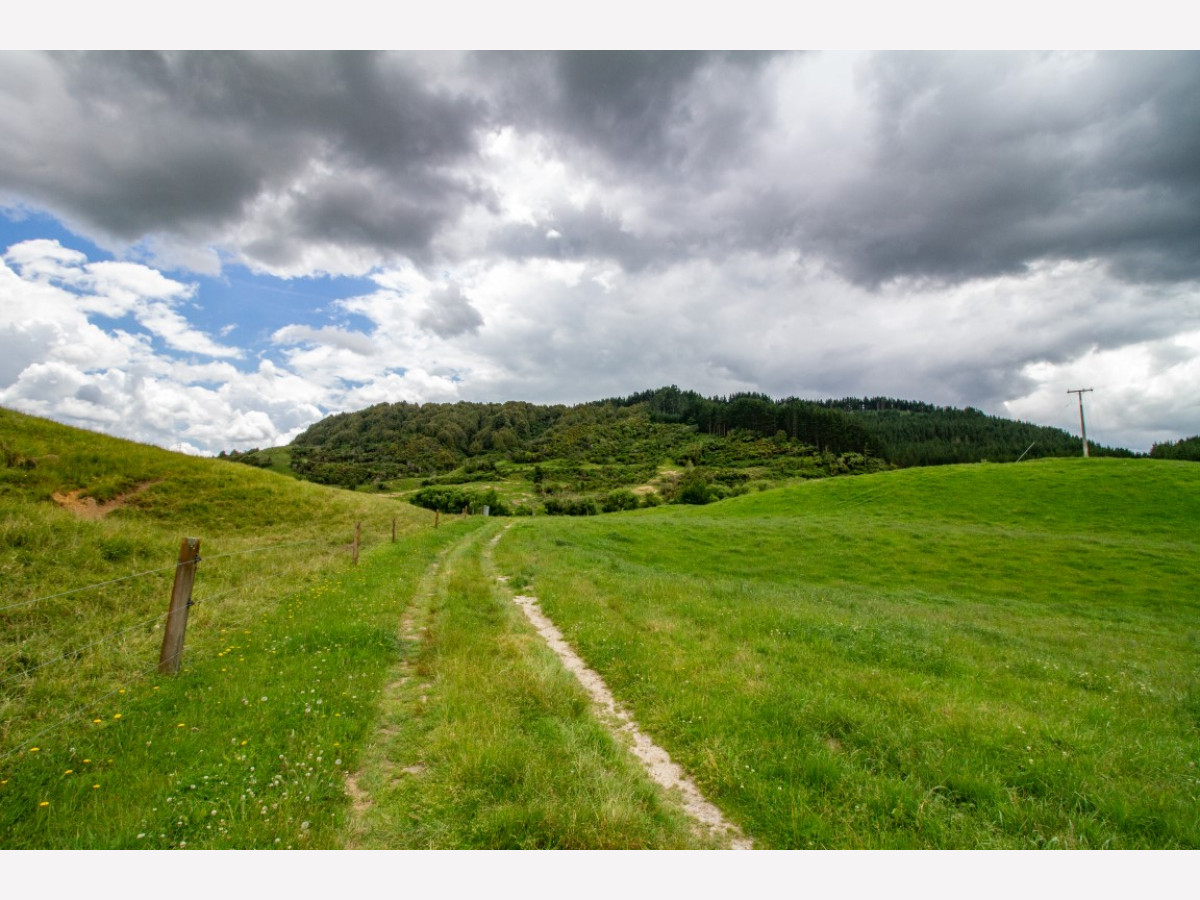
1185, 448
924, 435
789, 437
804, 421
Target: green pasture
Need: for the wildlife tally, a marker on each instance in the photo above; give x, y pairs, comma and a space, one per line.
977, 656
290, 687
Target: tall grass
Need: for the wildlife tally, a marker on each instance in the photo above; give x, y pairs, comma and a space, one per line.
289, 699
96, 749
978, 656
489, 743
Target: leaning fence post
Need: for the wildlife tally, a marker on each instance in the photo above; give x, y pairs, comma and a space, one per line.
181, 598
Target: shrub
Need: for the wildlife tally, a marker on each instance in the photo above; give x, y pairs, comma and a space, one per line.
571, 507
694, 490
620, 500
455, 500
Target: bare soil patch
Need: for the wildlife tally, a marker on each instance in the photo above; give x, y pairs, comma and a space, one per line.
89, 508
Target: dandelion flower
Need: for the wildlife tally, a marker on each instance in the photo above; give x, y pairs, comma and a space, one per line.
96, 721
34, 749
95, 787
68, 771
44, 803
117, 716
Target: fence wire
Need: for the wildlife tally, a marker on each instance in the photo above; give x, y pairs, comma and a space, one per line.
90, 587
207, 600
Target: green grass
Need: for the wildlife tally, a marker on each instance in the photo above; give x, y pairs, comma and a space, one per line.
248, 747
979, 656
288, 687
488, 743
982, 656
280, 611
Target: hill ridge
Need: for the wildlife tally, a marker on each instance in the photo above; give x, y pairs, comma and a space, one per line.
734, 432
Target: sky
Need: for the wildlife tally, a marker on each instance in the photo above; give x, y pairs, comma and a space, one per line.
210, 251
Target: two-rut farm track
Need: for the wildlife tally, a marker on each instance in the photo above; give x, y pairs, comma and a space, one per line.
677, 787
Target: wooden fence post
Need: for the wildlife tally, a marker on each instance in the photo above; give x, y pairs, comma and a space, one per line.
181, 598
393, 529
357, 532
437, 515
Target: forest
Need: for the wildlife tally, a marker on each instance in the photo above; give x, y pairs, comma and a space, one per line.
1186, 448
592, 449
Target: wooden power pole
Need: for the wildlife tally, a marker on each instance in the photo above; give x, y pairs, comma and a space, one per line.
1082, 426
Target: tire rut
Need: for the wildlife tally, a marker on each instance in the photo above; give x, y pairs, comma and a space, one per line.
655, 759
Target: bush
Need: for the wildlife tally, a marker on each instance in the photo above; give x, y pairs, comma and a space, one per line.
694, 490
571, 507
617, 501
455, 500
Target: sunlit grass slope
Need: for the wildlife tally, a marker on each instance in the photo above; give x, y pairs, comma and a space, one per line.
487, 742
971, 656
285, 647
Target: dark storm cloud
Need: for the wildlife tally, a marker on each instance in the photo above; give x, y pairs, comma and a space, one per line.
957, 165
184, 143
967, 165
663, 114
625, 102
981, 164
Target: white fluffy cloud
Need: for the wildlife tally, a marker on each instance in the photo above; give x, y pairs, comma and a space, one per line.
84, 342
967, 229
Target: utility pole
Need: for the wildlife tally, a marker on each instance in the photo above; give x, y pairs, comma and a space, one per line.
1082, 426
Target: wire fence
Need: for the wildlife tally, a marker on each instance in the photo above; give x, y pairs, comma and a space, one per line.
88, 587
150, 626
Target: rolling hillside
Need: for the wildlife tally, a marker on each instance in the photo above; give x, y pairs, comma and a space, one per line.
965, 656
983, 656
662, 446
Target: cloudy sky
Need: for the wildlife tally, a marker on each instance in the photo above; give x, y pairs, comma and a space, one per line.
211, 251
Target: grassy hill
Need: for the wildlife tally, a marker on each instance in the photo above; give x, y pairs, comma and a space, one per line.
663, 446
90, 737
296, 668
964, 656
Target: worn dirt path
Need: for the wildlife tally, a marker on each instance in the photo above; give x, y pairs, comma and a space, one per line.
656, 760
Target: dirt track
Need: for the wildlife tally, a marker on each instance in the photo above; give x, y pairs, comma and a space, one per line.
656, 760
